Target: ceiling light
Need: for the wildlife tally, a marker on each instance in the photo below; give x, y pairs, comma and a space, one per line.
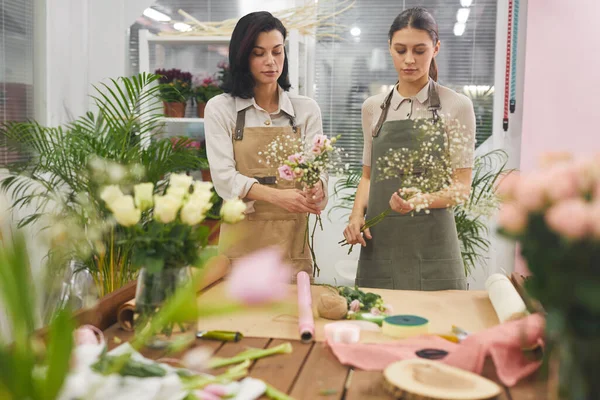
459, 29
355, 31
182, 27
156, 15
462, 15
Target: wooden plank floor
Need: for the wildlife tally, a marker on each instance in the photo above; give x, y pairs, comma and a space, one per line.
312, 372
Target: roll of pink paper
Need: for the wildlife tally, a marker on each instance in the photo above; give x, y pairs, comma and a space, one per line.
306, 322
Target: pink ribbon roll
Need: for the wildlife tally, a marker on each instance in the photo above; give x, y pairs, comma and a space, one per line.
306, 322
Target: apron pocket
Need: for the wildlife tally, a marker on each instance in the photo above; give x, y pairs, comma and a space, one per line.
375, 274
443, 274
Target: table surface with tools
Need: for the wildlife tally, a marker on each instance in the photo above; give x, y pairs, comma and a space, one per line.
311, 371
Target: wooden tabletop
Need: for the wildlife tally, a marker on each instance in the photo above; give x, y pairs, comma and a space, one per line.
312, 372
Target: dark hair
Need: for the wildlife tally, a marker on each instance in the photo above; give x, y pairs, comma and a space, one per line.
240, 82
418, 18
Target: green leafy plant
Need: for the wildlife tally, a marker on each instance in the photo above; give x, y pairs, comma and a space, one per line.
470, 217
29, 368
67, 165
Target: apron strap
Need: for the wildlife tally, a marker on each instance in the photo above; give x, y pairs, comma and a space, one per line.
240, 124
385, 106
434, 100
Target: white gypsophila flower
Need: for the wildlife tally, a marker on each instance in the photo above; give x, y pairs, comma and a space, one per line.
166, 208
144, 193
233, 210
201, 186
124, 211
110, 193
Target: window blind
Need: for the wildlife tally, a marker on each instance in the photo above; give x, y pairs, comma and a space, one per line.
16, 68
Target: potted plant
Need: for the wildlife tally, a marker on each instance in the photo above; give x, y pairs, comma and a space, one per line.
204, 90
175, 89
166, 232
554, 214
67, 165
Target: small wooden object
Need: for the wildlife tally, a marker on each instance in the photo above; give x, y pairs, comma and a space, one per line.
421, 379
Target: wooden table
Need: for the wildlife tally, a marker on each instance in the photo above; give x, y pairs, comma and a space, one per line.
310, 372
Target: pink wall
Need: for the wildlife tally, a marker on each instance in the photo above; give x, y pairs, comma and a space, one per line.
561, 99
561, 105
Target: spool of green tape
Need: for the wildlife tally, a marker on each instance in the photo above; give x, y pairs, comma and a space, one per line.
404, 326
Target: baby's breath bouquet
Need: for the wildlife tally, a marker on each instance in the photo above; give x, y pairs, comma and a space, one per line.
305, 165
166, 233
423, 169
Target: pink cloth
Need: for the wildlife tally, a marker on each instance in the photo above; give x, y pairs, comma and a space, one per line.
503, 343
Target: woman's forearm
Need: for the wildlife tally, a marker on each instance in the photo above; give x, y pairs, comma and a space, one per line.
262, 193
361, 199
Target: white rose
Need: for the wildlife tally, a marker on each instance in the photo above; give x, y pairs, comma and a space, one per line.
125, 212
193, 212
180, 180
166, 207
232, 211
143, 195
200, 186
178, 191
201, 200
110, 193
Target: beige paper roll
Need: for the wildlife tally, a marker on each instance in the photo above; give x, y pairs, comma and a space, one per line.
216, 269
505, 299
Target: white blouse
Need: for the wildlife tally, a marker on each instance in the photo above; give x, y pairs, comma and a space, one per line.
219, 123
455, 107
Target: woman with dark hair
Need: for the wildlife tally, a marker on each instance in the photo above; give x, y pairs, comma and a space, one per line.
255, 109
410, 249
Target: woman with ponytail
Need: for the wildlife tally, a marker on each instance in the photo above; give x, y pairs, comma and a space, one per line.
411, 250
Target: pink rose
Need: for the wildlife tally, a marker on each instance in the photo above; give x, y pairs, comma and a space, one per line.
507, 186
530, 191
563, 182
512, 218
388, 309
286, 172
320, 142
259, 277
355, 306
297, 158
570, 218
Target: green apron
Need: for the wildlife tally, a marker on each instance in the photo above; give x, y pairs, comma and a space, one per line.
408, 252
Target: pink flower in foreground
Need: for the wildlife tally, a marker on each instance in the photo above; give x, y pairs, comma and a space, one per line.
375, 311
297, 158
286, 172
388, 309
563, 182
320, 142
570, 218
260, 277
507, 186
354, 306
512, 218
530, 191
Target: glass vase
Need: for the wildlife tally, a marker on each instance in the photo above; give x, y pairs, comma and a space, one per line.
153, 290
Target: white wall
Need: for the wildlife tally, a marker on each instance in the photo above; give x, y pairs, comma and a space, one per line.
86, 43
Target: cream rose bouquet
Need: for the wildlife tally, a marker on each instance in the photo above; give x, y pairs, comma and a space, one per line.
554, 214
165, 230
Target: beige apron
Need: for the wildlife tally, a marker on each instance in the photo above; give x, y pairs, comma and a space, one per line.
269, 224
